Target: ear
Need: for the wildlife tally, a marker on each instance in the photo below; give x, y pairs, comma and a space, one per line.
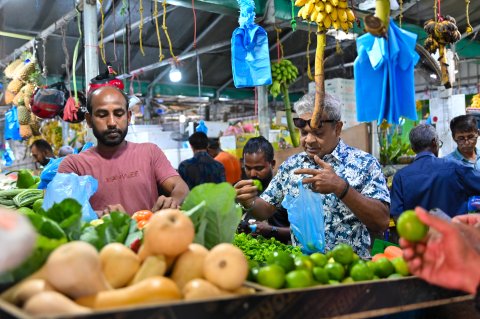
129, 116
88, 118
338, 128
272, 163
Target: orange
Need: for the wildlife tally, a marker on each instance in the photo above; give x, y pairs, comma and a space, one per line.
272, 276
393, 252
410, 227
378, 256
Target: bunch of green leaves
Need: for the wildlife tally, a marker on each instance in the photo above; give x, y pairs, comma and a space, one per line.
259, 248
392, 148
213, 211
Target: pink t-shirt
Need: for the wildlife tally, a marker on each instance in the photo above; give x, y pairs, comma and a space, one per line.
128, 176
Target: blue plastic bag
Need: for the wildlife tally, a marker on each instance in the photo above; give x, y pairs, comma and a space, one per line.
80, 188
12, 127
250, 50
49, 172
305, 214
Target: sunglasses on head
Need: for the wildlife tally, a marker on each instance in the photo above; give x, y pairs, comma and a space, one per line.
301, 123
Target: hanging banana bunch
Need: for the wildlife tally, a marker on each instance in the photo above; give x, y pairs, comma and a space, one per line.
325, 14
440, 33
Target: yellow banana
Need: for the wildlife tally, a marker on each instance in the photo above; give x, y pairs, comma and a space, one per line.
300, 3
305, 13
344, 26
343, 4
350, 25
350, 15
328, 7
300, 12
320, 6
336, 25
342, 15
327, 22
334, 14
334, 2
313, 16
321, 17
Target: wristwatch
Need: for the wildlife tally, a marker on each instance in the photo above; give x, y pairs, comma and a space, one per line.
274, 231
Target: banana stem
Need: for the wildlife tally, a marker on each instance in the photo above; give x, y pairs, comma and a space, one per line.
288, 114
382, 11
319, 77
444, 66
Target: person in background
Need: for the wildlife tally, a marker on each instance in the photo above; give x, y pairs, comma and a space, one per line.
356, 198
42, 152
65, 150
201, 168
465, 133
233, 170
432, 182
258, 163
129, 174
449, 255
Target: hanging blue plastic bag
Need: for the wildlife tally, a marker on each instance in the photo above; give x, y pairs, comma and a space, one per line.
12, 127
305, 214
80, 188
250, 51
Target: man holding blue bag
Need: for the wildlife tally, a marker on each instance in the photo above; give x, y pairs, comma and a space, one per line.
348, 182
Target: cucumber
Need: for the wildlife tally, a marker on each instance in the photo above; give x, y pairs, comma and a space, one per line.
27, 197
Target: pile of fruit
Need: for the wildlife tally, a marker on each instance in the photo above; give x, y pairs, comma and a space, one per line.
77, 279
283, 73
475, 102
340, 265
327, 13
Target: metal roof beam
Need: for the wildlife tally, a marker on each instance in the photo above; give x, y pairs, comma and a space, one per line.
188, 48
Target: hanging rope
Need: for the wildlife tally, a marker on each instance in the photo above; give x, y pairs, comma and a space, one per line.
194, 25
279, 44
256, 101
309, 70
140, 28
44, 69
157, 29
293, 22
101, 45
75, 55
67, 57
114, 30
165, 29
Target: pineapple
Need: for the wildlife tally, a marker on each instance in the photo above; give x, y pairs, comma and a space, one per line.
15, 99
9, 97
24, 115
14, 86
10, 69
25, 131
35, 124
23, 73
28, 90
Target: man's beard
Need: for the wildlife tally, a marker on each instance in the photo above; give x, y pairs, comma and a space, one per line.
102, 137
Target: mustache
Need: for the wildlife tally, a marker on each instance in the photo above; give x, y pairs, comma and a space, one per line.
113, 131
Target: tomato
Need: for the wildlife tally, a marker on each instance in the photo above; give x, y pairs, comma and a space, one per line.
142, 217
410, 227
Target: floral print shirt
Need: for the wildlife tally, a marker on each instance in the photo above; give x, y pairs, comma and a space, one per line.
363, 173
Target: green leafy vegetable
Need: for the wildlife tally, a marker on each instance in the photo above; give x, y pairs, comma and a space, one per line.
68, 215
259, 248
217, 220
114, 229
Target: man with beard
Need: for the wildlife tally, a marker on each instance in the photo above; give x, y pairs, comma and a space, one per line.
42, 152
258, 163
129, 175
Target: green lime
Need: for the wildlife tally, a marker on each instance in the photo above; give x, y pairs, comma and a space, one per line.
347, 280
333, 282
400, 266
282, 259
253, 274
319, 259
272, 276
410, 227
303, 262
361, 271
258, 184
372, 265
384, 267
343, 254
320, 274
395, 276
335, 271
299, 278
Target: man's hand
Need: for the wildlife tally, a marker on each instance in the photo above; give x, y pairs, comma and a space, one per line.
323, 180
246, 192
164, 202
111, 208
468, 219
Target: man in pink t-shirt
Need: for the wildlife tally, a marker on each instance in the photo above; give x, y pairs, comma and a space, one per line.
129, 175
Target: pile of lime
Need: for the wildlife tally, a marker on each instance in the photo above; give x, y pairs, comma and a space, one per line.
340, 265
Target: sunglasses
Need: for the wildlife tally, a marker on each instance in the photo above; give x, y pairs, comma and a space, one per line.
301, 123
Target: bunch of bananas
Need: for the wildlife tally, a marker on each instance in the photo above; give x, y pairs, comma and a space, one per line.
327, 13
283, 72
441, 32
475, 102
